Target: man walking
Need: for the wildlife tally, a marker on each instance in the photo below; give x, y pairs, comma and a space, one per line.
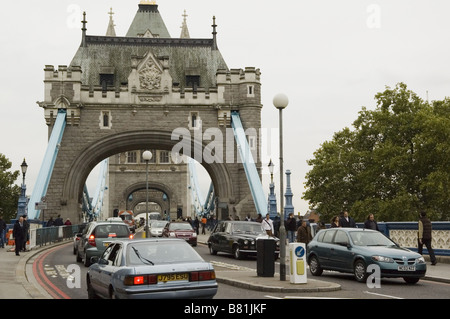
19, 234
424, 236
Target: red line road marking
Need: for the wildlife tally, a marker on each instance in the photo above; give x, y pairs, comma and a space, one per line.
38, 271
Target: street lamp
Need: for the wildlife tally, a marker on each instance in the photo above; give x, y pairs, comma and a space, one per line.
280, 101
271, 166
23, 190
146, 156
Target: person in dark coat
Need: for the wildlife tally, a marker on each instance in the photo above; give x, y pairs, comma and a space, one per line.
19, 234
26, 230
58, 221
424, 236
371, 223
291, 227
347, 221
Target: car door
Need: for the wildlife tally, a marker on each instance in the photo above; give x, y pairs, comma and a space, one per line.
323, 249
107, 267
341, 252
95, 272
215, 238
84, 239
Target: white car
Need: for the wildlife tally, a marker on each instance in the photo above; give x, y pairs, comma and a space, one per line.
156, 228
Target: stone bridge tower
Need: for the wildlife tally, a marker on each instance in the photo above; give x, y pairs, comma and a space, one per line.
148, 90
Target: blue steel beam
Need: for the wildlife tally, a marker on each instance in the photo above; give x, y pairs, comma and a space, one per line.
254, 182
45, 172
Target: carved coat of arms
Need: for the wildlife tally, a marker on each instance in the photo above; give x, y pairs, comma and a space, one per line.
150, 76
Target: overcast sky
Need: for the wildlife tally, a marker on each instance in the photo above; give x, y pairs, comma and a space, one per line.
329, 57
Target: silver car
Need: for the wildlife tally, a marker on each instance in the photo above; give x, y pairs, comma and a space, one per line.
156, 227
151, 268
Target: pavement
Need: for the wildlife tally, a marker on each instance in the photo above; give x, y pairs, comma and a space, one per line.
17, 283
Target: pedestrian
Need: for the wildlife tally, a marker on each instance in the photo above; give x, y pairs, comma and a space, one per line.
276, 225
203, 225
347, 221
50, 222
196, 224
371, 223
424, 236
291, 227
26, 225
335, 222
248, 218
59, 221
259, 218
303, 234
267, 225
2, 232
68, 222
19, 234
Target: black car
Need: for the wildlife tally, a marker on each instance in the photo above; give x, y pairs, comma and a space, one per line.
237, 238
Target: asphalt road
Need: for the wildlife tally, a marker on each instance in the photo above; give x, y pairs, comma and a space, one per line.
63, 278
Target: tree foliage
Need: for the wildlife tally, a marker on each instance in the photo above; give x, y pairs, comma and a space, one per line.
393, 163
9, 193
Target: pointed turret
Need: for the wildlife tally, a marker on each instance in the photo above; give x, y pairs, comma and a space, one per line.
111, 32
148, 22
184, 28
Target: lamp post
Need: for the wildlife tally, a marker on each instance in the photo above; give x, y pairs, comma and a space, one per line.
146, 156
23, 197
272, 202
280, 101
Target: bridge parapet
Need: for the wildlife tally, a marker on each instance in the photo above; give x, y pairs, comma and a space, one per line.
405, 234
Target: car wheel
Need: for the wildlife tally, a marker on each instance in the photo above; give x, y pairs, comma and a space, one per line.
87, 261
91, 291
112, 293
411, 280
314, 266
237, 252
360, 271
211, 250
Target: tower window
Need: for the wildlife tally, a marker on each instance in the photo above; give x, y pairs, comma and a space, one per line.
250, 91
106, 80
105, 120
193, 81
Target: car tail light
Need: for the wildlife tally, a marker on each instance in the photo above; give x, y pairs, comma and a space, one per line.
202, 275
91, 240
140, 280
131, 236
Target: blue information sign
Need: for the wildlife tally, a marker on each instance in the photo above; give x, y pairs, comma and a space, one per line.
299, 251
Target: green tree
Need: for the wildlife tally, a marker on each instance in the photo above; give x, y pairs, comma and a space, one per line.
393, 163
9, 193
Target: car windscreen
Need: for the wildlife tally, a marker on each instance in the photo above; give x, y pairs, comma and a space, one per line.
113, 230
159, 224
158, 253
363, 238
248, 228
180, 226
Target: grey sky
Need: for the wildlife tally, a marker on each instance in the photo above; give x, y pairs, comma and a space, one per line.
330, 57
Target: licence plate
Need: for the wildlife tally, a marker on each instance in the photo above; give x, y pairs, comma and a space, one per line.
173, 277
406, 268
106, 243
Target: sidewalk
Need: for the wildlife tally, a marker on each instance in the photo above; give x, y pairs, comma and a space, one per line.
14, 283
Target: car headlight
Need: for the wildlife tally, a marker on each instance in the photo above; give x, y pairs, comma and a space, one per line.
420, 260
383, 259
194, 235
246, 242
172, 235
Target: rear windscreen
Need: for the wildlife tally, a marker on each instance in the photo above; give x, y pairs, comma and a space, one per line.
113, 230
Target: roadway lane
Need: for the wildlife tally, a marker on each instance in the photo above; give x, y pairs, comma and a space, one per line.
63, 278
